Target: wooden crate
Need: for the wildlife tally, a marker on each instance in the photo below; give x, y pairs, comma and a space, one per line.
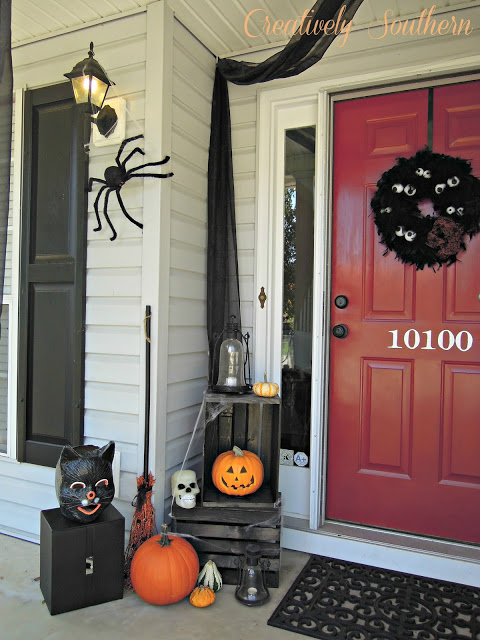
222, 535
251, 423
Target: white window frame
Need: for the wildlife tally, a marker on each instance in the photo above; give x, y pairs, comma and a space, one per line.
11, 299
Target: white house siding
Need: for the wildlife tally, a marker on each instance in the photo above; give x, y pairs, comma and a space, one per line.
192, 87
114, 313
362, 54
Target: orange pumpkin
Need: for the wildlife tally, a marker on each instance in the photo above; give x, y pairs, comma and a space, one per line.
265, 389
237, 472
164, 569
202, 596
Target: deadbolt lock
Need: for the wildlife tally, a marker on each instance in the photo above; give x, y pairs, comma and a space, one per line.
341, 302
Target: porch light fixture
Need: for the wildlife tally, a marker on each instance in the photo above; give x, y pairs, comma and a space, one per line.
90, 85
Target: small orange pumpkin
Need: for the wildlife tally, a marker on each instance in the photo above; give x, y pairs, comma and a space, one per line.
265, 389
237, 472
164, 569
202, 596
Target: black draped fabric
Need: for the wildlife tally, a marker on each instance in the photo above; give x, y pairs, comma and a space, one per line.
6, 94
304, 49
223, 295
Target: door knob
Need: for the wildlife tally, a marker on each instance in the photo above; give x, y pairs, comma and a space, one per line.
341, 302
340, 331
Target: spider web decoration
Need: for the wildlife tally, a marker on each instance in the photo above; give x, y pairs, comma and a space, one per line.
114, 179
430, 240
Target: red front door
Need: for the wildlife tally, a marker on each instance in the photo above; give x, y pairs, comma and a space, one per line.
404, 422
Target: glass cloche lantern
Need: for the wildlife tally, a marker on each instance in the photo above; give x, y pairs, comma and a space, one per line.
232, 360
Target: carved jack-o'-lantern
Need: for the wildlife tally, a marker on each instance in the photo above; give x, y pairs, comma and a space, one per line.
237, 472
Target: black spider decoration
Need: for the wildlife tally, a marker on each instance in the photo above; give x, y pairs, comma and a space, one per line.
115, 178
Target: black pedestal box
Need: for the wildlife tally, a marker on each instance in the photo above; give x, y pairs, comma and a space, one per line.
81, 564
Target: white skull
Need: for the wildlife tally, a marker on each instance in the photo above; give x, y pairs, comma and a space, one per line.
185, 488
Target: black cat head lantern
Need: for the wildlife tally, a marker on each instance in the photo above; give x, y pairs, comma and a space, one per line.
84, 481
232, 360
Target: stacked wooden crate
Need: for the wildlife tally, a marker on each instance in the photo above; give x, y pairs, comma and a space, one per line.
223, 525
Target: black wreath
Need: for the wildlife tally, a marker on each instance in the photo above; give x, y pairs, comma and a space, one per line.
455, 195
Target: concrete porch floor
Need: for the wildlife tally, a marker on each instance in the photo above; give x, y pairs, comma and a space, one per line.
24, 615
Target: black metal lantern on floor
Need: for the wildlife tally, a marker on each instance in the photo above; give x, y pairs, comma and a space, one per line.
232, 359
251, 589
90, 84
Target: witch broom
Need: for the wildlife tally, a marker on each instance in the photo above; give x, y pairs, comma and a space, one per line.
143, 523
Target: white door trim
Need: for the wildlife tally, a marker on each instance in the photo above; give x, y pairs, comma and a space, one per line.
273, 107
321, 317
281, 115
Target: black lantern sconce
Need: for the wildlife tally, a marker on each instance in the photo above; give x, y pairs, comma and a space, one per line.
231, 360
90, 86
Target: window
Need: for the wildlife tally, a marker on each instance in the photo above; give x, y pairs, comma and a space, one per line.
298, 245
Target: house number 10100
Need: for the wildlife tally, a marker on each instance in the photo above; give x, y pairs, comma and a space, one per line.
446, 340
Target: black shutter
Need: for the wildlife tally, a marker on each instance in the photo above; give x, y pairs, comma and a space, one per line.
52, 278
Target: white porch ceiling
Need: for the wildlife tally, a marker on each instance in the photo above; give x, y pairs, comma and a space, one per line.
219, 24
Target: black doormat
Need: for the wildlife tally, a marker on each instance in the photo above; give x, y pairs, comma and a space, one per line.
347, 601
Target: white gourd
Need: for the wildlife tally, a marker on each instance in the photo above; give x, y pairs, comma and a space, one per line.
210, 576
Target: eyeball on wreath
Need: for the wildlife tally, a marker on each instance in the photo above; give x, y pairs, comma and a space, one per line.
409, 241
409, 181
409, 235
382, 202
442, 188
454, 211
422, 165
449, 175
402, 183
455, 197
426, 174
463, 205
409, 189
